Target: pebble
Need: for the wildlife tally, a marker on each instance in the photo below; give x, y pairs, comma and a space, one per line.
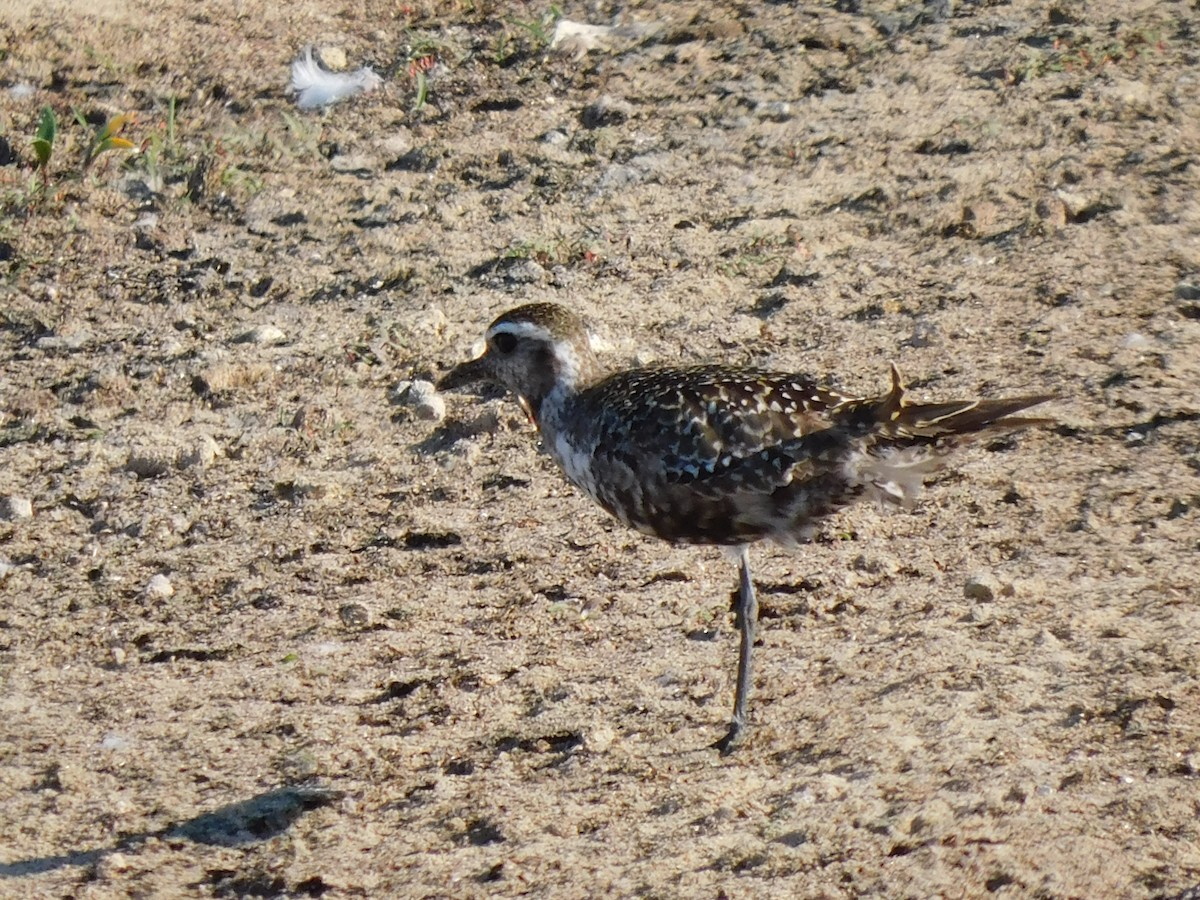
617, 177
159, 588
1188, 289
269, 335
985, 587
365, 166
354, 615
114, 741
775, 111
426, 402
577, 38
396, 143
599, 739
73, 341
334, 58
14, 507
525, 271
1187, 297
1077, 203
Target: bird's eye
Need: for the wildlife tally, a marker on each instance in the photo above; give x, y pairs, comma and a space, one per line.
505, 342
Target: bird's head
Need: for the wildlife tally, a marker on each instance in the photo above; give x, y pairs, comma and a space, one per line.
532, 351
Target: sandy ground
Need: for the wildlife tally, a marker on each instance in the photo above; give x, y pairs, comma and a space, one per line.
268, 632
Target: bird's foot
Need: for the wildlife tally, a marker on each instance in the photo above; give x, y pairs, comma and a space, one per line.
733, 738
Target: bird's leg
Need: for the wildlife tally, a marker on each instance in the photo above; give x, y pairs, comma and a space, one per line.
747, 621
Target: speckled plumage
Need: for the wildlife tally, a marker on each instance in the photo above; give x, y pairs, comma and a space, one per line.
715, 454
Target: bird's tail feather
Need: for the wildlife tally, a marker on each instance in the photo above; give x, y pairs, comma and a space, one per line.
914, 438
931, 421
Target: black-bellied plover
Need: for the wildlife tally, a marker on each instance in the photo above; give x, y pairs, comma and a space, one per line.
722, 455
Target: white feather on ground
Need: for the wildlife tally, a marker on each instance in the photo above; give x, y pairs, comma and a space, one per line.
316, 86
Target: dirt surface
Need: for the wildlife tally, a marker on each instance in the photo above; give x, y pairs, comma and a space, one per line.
268, 631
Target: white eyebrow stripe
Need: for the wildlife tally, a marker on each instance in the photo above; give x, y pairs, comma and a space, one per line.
521, 329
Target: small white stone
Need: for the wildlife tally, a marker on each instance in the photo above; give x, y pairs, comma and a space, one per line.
399, 392
14, 506
526, 271
578, 38
433, 410
426, 402
268, 335
334, 58
114, 741
775, 111
159, 587
599, 739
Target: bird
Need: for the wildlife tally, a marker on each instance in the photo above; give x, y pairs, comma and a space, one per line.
721, 455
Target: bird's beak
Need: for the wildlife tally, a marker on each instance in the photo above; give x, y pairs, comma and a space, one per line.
469, 372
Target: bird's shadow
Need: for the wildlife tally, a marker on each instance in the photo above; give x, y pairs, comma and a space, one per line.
245, 822
442, 438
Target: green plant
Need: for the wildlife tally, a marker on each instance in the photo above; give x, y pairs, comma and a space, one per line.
241, 181
425, 50
46, 144
1084, 53
107, 137
519, 36
541, 29
304, 134
502, 50
159, 156
43, 142
172, 115
561, 249
757, 250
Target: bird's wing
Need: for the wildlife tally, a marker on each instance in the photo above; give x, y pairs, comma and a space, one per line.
719, 430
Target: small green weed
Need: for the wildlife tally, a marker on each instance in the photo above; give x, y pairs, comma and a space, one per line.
107, 137
1084, 53
560, 249
43, 142
426, 50
48, 147
525, 36
540, 31
757, 251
